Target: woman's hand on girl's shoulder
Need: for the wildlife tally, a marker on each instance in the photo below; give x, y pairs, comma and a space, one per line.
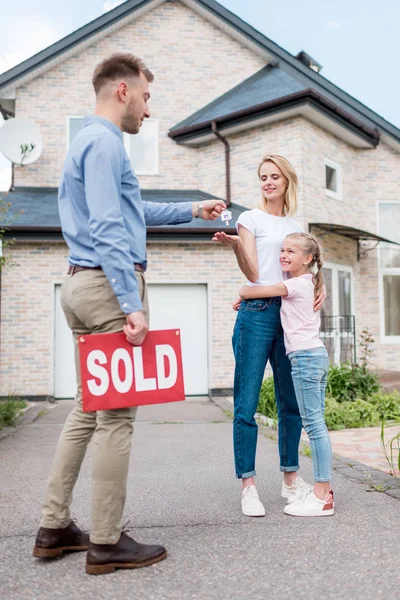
320, 299
227, 240
236, 304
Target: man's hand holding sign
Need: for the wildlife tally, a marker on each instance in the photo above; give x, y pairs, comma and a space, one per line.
116, 374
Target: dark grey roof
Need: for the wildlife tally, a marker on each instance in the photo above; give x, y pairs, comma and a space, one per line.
36, 209
268, 90
287, 62
267, 84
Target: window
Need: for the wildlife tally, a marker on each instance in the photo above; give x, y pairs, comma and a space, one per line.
75, 124
389, 263
333, 179
142, 148
337, 321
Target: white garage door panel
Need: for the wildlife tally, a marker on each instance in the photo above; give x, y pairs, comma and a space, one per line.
184, 306
180, 306
64, 363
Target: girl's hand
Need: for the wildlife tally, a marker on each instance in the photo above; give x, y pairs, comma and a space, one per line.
233, 241
320, 299
236, 304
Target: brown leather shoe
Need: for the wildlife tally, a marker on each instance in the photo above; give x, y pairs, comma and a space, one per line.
51, 543
125, 554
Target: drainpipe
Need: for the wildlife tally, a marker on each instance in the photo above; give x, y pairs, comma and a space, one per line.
227, 161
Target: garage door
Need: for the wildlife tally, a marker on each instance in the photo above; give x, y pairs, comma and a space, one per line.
184, 306
64, 364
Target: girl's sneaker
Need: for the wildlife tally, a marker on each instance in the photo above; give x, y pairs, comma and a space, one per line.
251, 505
298, 488
311, 506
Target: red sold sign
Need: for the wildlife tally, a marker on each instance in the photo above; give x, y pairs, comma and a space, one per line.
116, 374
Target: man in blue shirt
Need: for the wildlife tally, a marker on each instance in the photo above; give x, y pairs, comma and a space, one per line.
103, 220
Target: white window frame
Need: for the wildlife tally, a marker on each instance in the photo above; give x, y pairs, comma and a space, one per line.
335, 267
330, 163
157, 153
385, 339
69, 127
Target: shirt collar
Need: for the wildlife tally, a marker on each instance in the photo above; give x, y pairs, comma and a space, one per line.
94, 119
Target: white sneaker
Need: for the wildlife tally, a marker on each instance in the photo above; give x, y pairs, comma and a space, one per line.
298, 488
311, 506
251, 505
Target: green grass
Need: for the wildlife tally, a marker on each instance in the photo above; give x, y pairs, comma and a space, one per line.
9, 411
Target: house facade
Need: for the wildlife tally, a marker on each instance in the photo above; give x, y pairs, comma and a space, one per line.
223, 96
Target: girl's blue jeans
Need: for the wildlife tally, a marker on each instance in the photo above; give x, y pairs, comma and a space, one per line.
257, 338
309, 374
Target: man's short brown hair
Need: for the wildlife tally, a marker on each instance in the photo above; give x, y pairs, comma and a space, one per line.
119, 65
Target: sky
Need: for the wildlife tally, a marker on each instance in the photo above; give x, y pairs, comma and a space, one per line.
356, 41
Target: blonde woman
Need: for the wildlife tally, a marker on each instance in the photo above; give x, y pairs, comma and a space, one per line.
258, 334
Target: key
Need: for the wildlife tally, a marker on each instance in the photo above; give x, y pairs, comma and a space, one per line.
226, 216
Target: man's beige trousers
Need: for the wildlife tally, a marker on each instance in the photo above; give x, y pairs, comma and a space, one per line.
90, 306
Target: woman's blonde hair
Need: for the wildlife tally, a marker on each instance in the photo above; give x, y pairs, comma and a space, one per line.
311, 245
291, 195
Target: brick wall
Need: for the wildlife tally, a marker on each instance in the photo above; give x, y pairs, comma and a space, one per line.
27, 319
189, 57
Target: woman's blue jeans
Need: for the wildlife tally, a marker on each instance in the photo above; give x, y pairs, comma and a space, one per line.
309, 374
257, 338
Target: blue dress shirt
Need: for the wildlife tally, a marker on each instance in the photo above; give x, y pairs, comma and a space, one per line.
103, 218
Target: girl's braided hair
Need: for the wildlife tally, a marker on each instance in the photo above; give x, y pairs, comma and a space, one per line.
311, 245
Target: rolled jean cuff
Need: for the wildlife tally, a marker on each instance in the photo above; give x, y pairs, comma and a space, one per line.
246, 475
289, 469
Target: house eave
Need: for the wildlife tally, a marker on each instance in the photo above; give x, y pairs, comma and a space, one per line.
307, 103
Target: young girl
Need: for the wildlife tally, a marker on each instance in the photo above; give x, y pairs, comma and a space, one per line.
301, 258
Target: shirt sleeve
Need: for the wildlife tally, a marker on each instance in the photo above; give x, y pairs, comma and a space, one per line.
102, 165
167, 213
293, 286
246, 219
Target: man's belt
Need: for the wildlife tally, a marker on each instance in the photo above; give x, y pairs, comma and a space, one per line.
72, 269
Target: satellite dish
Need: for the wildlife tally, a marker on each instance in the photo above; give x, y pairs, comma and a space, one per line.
20, 141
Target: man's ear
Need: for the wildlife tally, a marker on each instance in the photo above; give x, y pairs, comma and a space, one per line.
122, 91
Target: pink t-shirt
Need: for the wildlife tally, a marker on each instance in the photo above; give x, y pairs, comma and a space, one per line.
299, 321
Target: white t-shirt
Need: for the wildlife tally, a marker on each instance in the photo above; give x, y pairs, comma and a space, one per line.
269, 232
299, 321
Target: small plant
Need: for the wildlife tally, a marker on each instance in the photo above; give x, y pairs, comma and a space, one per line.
267, 403
391, 448
366, 341
9, 411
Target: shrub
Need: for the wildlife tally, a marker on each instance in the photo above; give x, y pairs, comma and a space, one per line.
347, 382
341, 413
351, 414
387, 405
267, 402
9, 411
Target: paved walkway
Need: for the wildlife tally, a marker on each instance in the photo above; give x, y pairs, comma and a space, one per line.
182, 493
364, 445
